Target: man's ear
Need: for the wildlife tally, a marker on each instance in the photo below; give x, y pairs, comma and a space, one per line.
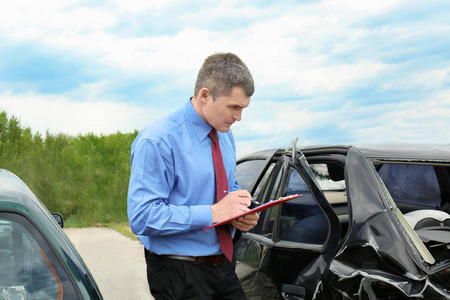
204, 94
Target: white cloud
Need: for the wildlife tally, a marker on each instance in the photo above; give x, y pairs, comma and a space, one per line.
402, 122
425, 79
160, 54
267, 124
51, 17
59, 114
324, 79
137, 6
312, 50
360, 7
270, 44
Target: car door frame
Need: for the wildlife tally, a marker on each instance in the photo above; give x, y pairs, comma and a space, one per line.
309, 276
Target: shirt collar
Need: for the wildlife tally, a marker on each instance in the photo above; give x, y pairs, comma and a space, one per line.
200, 127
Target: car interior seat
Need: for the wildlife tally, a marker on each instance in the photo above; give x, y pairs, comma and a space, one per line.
430, 225
310, 230
422, 218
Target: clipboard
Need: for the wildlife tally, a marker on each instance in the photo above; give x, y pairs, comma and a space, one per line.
255, 210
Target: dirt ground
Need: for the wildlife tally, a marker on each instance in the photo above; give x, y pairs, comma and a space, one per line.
116, 262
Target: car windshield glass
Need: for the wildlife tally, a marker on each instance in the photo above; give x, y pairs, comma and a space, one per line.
28, 268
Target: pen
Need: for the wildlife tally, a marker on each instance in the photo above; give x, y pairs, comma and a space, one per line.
254, 204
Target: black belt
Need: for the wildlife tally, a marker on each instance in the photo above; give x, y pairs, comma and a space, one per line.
213, 260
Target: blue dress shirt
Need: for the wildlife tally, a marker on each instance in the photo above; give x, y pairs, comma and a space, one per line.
172, 184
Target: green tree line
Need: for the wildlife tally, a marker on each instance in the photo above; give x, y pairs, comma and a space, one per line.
84, 177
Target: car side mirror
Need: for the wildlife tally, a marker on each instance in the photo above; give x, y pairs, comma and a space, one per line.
59, 219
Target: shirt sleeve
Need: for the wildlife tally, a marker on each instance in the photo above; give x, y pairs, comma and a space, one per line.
150, 211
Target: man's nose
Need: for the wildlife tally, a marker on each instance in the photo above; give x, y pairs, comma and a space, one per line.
238, 115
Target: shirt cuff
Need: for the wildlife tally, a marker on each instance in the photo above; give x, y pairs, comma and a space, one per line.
202, 215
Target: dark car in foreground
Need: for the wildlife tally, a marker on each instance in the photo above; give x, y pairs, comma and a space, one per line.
37, 260
373, 223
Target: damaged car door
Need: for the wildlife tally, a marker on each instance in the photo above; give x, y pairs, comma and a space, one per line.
293, 244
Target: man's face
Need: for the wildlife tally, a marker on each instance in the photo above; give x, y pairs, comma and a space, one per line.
222, 112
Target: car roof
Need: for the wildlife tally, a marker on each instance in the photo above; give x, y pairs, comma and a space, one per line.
399, 151
433, 152
16, 196
11, 184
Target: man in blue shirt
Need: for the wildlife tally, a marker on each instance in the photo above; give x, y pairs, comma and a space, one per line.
172, 191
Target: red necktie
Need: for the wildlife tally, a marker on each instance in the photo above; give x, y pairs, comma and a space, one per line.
223, 232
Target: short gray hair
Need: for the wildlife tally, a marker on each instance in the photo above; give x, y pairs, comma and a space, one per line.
221, 72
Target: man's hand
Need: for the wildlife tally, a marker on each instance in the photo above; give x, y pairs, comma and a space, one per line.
231, 205
246, 223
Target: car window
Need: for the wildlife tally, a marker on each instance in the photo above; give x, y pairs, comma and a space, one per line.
250, 254
322, 175
28, 267
411, 184
269, 216
247, 171
414, 194
301, 220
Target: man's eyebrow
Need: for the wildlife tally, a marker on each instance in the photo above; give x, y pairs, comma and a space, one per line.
237, 106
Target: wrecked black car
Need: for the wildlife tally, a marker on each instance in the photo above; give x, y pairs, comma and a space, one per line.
372, 223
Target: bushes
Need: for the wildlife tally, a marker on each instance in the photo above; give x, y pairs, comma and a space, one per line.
85, 178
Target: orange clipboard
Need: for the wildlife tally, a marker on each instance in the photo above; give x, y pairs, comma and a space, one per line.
255, 210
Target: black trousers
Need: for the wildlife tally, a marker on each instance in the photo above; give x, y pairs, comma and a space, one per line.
182, 280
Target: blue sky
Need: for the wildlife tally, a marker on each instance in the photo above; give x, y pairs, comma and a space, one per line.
325, 71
